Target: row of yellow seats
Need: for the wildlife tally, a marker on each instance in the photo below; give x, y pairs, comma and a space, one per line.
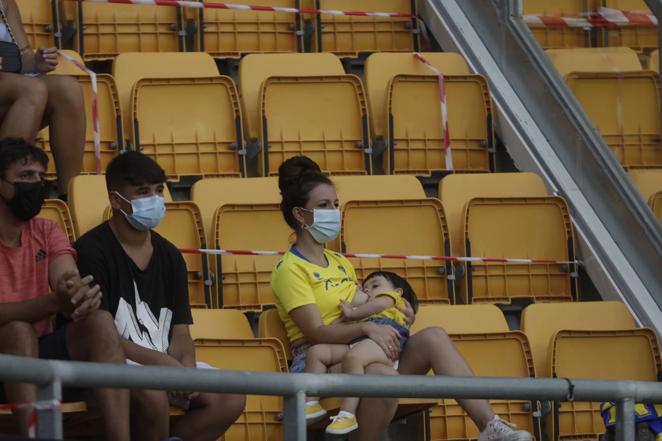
621, 99
176, 108
106, 30
488, 215
640, 38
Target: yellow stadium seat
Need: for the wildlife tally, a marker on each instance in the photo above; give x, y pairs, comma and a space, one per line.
255, 68
209, 194
647, 180
246, 280
232, 33
460, 319
362, 188
590, 355
655, 203
603, 59
110, 122
325, 118
39, 24
456, 190
351, 35
527, 228
220, 324
654, 61
557, 37
381, 67
57, 211
190, 126
270, 326
415, 137
88, 198
625, 109
641, 38
107, 30
401, 227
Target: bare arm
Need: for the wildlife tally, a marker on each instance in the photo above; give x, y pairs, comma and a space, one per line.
42, 61
181, 347
375, 306
147, 356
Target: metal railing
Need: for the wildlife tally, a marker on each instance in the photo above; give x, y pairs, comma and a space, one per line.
50, 376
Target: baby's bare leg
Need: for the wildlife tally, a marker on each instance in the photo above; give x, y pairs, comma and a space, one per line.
355, 361
320, 357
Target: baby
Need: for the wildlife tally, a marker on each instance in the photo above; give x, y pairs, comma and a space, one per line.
384, 292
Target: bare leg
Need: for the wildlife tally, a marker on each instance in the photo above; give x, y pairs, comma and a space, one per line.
375, 414
431, 348
65, 116
150, 419
209, 417
22, 104
355, 361
19, 338
95, 338
320, 357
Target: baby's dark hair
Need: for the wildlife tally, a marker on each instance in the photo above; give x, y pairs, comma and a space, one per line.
297, 177
398, 282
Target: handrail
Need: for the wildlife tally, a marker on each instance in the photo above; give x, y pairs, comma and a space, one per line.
51, 375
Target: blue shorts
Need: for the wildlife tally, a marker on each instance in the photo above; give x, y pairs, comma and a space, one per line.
298, 364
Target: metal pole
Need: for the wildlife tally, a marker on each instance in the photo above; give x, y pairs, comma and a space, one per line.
49, 416
625, 420
294, 424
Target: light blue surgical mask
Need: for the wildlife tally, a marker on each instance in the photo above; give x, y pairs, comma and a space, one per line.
325, 226
147, 213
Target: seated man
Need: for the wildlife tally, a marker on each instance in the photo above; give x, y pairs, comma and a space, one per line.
39, 279
144, 282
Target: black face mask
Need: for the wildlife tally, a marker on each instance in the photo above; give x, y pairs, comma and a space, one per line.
28, 199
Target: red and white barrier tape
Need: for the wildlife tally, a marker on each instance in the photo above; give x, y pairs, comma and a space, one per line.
603, 17
95, 107
388, 256
38, 405
444, 110
238, 7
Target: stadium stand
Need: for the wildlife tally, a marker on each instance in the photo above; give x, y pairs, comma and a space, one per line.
640, 38
558, 37
41, 22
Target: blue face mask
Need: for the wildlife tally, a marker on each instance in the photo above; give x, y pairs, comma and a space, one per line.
325, 226
147, 213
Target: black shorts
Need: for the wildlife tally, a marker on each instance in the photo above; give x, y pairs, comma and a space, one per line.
53, 346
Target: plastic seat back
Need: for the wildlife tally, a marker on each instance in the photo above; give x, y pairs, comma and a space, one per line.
647, 180
640, 38
40, 27
603, 59
371, 188
655, 203
57, 211
559, 37
654, 61
460, 319
220, 324
270, 326
527, 228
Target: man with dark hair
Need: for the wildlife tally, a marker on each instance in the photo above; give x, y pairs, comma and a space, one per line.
144, 282
39, 279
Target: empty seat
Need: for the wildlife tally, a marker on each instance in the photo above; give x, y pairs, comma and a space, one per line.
220, 324
401, 227
647, 180
106, 30
460, 319
456, 190
40, 27
350, 35
110, 122
642, 37
361, 188
604, 59
558, 37
57, 211
231, 33
654, 61
527, 228
270, 326
246, 280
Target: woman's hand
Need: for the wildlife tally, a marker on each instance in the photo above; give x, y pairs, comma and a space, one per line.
408, 311
386, 337
45, 60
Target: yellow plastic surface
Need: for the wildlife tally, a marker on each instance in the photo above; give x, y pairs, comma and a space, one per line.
460, 319
66, 67
401, 227
414, 124
57, 211
324, 118
527, 228
189, 125
270, 326
558, 37
655, 203
247, 279
603, 59
111, 29
626, 110
255, 68
654, 61
647, 180
641, 38
350, 35
220, 324
541, 321
231, 33
38, 23
377, 187
457, 190
381, 67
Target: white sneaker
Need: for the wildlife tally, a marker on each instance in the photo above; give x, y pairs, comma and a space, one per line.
500, 430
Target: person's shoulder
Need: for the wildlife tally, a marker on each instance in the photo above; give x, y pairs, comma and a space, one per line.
93, 239
166, 247
42, 228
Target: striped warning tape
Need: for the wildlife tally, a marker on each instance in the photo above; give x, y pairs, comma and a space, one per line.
603, 17
444, 109
238, 7
95, 107
389, 256
34, 407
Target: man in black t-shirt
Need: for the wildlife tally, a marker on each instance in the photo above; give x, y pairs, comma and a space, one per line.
143, 278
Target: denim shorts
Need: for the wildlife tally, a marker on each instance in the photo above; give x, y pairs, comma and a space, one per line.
298, 364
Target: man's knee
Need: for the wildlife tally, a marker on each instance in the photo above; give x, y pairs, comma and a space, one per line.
96, 329
18, 338
151, 405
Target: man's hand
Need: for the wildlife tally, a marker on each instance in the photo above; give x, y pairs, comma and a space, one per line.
76, 297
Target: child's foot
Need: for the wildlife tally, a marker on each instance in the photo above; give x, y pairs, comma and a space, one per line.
342, 424
314, 411
500, 430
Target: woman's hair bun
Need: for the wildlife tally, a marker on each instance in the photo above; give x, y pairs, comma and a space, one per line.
294, 170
